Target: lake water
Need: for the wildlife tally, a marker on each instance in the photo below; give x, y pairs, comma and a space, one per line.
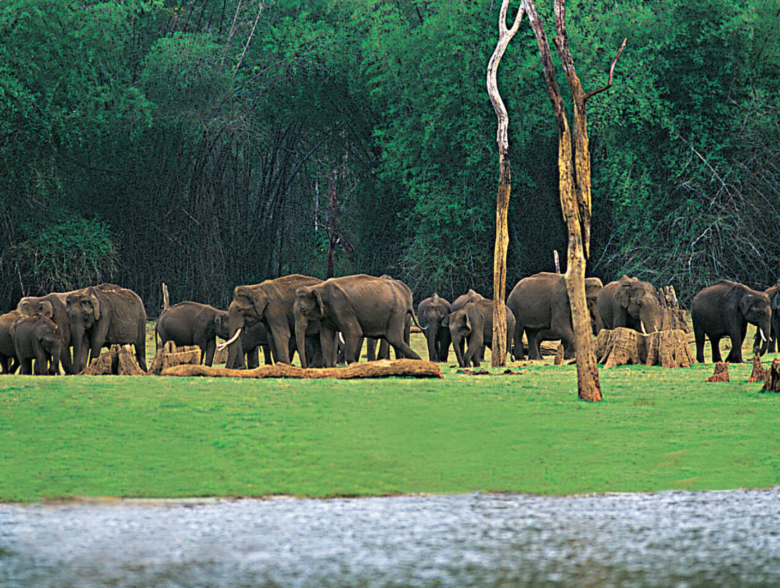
669, 539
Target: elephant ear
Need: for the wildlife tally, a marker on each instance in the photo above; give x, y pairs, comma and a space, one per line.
623, 295
259, 301
467, 322
47, 309
776, 302
318, 297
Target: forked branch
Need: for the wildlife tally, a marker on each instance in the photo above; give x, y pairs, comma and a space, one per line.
611, 72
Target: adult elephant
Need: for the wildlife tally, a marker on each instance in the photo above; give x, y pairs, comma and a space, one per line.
760, 347
193, 323
724, 310
37, 338
474, 323
432, 314
8, 360
53, 306
358, 306
632, 304
540, 304
105, 315
270, 302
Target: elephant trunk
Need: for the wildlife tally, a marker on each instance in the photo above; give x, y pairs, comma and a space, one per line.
78, 340
300, 339
236, 324
432, 334
650, 318
763, 334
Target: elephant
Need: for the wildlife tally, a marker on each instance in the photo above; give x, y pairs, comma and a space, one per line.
193, 323
53, 306
358, 306
252, 339
724, 309
432, 314
104, 315
457, 304
9, 363
630, 303
540, 304
270, 302
475, 322
37, 337
771, 340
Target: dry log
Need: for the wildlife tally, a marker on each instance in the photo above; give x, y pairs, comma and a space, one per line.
623, 346
721, 373
373, 369
759, 373
170, 356
772, 383
117, 361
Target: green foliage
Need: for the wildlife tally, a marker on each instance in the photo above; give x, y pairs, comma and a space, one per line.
64, 256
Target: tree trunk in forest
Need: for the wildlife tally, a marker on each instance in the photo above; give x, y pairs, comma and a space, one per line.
574, 186
331, 224
772, 383
498, 355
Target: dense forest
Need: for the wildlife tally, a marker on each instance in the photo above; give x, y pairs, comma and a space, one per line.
212, 143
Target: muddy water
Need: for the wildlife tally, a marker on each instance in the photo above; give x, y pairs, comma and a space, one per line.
667, 539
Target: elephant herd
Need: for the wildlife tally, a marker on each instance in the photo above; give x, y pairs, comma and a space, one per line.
324, 320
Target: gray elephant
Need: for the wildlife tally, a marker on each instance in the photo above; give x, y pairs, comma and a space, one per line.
8, 360
104, 315
541, 307
432, 315
358, 306
252, 339
724, 310
37, 338
193, 323
760, 347
457, 304
632, 304
474, 322
270, 302
53, 306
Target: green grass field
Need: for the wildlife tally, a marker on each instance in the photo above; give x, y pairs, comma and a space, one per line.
174, 437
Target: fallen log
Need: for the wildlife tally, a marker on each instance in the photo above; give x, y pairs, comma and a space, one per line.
772, 383
623, 346
374, 369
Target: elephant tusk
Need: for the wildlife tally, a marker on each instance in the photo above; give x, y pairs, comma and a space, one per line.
221, 346
644, 332
341, 338
761, 332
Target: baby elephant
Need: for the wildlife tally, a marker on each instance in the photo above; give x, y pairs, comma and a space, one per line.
474, 322
37, 337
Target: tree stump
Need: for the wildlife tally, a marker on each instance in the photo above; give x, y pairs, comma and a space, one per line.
673, 315
375, 369
759, 374
559, 355
772, 383
170, 356
623, 346
117, 361
721, 373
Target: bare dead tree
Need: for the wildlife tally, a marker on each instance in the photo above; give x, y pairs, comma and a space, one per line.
574, 185
504, 185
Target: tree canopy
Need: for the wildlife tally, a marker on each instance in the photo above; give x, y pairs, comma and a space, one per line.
194, 142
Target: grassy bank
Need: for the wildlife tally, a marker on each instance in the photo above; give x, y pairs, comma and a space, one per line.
119, 436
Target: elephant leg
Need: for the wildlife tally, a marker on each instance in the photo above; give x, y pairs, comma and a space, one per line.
472, 353
518, 353
384, 350
395, 337
207, 352
715, 344
371, 349
253, 358
533, 344
735, 355
281, 342
352, 344
267, 354
328, 344
568, 349
25, 367
41, 360
433, 344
